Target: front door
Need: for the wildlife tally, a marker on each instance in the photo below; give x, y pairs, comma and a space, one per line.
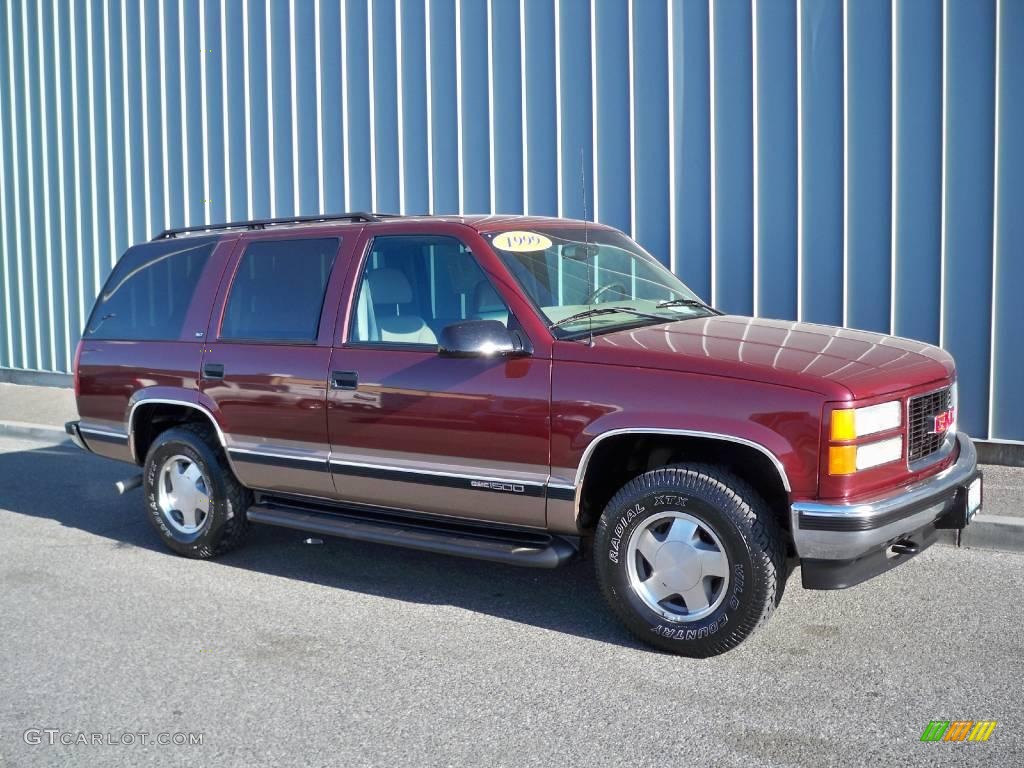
466, 437
265, 372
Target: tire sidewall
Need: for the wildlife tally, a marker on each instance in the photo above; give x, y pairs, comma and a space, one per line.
739, 608
181, 442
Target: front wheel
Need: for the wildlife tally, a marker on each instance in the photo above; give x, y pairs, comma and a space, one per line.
690, 558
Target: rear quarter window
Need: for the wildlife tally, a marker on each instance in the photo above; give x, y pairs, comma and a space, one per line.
148, 294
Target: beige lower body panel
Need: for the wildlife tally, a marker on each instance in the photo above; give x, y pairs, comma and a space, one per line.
106, 438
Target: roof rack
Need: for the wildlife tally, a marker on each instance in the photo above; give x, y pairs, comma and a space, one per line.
252, 224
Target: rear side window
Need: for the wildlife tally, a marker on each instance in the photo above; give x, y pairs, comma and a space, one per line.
148, 294
278, 290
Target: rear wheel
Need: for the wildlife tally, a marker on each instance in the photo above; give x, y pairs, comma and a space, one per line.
193, 499
690, 558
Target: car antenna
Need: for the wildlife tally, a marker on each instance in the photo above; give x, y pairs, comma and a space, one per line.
586, 240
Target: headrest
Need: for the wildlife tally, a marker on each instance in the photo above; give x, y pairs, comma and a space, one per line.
389, 286
486, 299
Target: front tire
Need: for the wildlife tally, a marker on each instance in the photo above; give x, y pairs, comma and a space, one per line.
690, 558
193, 499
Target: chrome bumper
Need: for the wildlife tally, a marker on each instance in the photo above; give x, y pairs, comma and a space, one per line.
847, 531
75, 433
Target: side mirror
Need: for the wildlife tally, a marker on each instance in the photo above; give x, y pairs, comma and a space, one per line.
479, 338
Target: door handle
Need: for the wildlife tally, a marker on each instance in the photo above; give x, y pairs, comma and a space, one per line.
344, 380
213, 370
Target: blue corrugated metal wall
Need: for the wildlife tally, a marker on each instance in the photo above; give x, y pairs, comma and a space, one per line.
855, 162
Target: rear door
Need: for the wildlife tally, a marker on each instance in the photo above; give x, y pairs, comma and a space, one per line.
264, 372
411, 430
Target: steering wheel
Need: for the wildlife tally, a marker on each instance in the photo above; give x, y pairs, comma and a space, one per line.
599, 292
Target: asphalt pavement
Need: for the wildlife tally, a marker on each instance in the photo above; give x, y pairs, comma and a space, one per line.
286, 653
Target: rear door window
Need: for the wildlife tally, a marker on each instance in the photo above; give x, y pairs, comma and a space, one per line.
147, 296
278, 290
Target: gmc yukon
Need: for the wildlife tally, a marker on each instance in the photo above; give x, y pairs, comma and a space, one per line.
522, 390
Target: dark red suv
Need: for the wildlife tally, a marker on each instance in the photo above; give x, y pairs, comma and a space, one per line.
523, 390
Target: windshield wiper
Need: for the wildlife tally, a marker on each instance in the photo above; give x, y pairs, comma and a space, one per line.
101, 321
597, 311
681, 303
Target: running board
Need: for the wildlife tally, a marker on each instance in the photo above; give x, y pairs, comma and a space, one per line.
533, 549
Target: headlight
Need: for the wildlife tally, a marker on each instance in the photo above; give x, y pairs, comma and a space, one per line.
847, 459
852, 423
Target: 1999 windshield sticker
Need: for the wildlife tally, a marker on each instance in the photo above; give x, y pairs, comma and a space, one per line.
521, 242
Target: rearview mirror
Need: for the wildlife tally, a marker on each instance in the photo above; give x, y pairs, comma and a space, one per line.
478, 338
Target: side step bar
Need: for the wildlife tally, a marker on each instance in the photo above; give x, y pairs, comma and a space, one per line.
501, 545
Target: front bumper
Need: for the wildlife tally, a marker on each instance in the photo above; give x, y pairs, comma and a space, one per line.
840, 545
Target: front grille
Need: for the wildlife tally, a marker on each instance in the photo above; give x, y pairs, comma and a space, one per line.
921, 441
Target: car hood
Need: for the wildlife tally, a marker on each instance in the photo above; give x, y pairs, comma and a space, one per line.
839, 363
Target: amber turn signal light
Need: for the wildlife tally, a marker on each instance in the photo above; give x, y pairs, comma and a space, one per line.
844, 425
842, 459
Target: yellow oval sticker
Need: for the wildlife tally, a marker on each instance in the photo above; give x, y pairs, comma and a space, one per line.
521, 242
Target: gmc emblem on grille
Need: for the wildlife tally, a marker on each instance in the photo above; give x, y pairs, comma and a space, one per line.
489, 485
943, 422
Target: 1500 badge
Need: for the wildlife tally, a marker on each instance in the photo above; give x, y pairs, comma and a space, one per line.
492, 485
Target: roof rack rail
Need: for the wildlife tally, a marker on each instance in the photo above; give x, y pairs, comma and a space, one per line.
251, 224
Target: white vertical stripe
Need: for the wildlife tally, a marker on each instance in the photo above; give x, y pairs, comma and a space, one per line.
373, 116
491, 166
296, 196
755, 81
34, 251
799, 163
15, 154
94, 171
76, 167
713, 151
165, 139
143, 79
400, 106
458, 104
57, 79
846, 162
632, 121
48, 251
226, 124
344, 106
894, 159
248, 116
559, 139
8, 323
270, 114
186, 187
593, 110
525, 118
205, 95
996, 175
945, 184
428, 73
111, 211
672, 223
319, 112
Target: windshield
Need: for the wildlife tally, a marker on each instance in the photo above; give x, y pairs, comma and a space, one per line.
577, 280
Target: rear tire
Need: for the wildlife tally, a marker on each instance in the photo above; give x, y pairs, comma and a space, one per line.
690, 558
193, 499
